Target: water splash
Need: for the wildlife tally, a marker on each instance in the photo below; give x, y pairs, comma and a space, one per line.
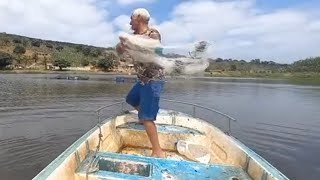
183, 59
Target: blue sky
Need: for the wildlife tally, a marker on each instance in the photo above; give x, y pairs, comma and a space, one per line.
276, 4
160, 10
278, 30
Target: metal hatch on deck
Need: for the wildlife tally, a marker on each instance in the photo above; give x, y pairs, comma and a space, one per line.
124, 166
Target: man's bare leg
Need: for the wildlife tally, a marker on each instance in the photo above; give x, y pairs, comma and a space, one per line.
138, 108
153, 137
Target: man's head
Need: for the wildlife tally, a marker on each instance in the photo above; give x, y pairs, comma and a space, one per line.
139, 19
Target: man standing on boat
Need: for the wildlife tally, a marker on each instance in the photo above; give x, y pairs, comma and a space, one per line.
145, 95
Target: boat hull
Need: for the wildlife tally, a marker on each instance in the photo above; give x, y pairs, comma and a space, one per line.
124, 138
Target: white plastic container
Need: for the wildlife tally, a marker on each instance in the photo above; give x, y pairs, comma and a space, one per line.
194, 151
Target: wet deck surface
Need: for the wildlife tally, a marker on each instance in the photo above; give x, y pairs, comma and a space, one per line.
172, 132
147, 152
174, 155
113, 165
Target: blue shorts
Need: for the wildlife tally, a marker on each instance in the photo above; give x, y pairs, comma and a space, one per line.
147, 97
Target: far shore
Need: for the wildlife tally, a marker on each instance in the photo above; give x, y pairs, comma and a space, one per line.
57, 72
295, 77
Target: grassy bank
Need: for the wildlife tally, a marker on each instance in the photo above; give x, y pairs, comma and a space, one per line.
296, 77
55, 72
261, 75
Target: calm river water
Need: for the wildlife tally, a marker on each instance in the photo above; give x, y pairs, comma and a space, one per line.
40, 117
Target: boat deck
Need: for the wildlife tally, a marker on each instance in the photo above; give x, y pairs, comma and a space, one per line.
133, 161
119, 148
126, 166
172, 132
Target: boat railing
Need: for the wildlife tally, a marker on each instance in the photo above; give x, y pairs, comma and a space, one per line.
123, 103
197, 106
194, 106
98, 111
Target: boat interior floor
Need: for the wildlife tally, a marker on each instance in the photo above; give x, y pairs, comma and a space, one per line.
108, 165
133, 160
135, 140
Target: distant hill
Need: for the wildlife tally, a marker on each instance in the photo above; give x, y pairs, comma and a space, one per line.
257, 66
31, 53
38, 53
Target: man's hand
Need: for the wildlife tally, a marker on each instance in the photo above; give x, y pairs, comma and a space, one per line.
155, 34
120, 48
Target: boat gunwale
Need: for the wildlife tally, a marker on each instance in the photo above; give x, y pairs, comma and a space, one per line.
263, 163
53, 165
193, 115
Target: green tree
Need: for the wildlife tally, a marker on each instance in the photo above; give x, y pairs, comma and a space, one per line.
36, 43
219, 60
93, 63
24, 43
233, 67
6, 42
85, 62
105, 64
255, 61
35, 57
26, 60
5, 60
307, 65
59, 48
78, 48
19, 50
48, 45
86, 51
45, 62
95, 52
61, 63
110, 49
17, 41
69, 54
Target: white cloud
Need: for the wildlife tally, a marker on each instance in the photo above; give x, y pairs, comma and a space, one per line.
173, 32
123, 23
129, 2
80, 21
315, 26
239, 30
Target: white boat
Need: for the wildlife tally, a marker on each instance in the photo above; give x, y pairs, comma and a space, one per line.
119, 148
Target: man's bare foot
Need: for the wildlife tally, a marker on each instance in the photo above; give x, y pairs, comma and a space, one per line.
151, 129
160, 154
